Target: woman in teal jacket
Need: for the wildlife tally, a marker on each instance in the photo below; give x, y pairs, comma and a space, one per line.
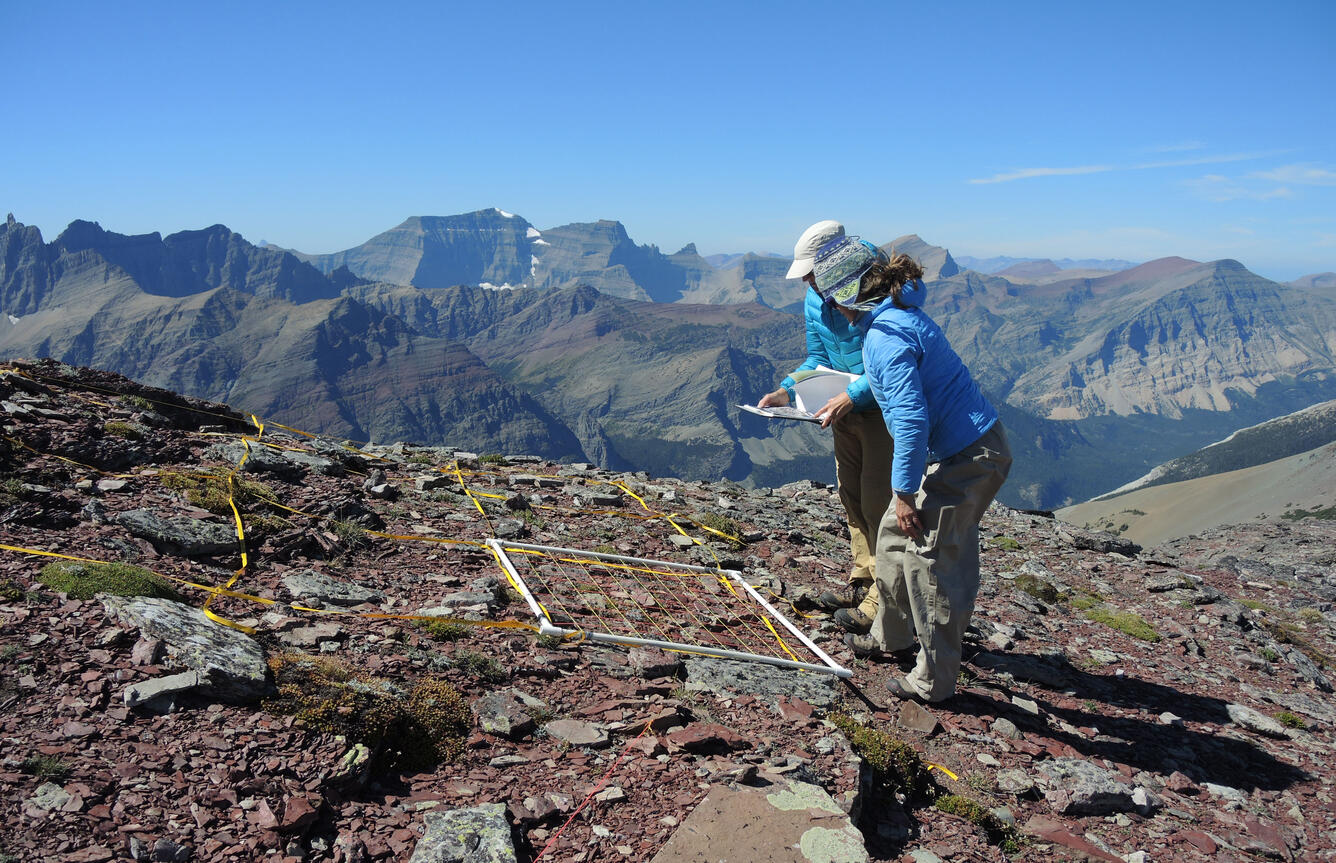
862, 445
951, 457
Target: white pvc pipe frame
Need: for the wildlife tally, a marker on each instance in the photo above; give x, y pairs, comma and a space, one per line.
546, 627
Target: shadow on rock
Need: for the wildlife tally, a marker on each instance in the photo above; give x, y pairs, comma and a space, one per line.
1147, 743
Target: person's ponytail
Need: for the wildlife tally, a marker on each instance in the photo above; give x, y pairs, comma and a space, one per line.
888, 278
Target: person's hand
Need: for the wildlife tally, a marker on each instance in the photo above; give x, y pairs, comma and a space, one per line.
907, 516
835, 408
779, 398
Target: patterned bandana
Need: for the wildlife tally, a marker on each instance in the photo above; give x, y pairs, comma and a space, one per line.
839, 268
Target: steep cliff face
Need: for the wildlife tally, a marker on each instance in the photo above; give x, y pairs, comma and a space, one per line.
1185, 343
601, 255
219, 258
751, 278
25, 268
937, 262
451, 313
487, 246
765, 274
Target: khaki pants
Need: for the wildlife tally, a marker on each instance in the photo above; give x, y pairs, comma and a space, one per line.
929, 587
863, 450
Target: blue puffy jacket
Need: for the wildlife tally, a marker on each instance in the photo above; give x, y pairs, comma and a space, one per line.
835, 343
932, 406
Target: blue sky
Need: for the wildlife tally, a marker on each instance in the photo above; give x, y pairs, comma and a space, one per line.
1128, 130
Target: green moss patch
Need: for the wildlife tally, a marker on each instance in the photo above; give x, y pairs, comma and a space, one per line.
896, 766
1290, 720
47, 767
84, 580
897, 770
1326, 513
480, 666
211, 491
129, 431
1125, 622
1288, 632
11, 491
10, 591
444, 630
725, 525
979, 815
351, 535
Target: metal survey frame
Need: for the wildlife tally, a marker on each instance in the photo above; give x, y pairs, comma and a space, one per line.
546, 627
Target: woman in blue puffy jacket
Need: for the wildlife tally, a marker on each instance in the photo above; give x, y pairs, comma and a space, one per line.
862, 444
951, 457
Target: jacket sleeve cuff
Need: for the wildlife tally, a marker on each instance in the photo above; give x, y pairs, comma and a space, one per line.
860, 393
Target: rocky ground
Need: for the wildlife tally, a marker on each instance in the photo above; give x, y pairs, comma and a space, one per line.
1116, 704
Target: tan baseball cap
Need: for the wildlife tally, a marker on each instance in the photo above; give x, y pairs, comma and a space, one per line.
804, 251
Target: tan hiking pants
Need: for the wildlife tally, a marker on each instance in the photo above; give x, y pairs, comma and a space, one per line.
863, 451
928, 587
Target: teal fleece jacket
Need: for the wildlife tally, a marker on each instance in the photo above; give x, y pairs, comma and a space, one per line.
932, 406
835, 343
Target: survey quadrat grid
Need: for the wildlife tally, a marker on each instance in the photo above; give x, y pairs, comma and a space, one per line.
641, 602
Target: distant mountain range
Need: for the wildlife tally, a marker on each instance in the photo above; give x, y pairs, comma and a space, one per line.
1316, 280
995, 265
492, 248
482, 331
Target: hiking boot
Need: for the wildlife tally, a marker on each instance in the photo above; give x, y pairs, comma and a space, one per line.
846, 597
863, 646
866, 647
853, 620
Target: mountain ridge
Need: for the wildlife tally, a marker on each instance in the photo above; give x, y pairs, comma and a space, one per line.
1172, 353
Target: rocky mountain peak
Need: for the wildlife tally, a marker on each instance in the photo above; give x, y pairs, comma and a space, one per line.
82, 234
25, 274
483, 247
936, 261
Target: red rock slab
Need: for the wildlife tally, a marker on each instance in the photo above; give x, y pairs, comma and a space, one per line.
707, 737
791, 708
1196, 839
1048, 830
775, 824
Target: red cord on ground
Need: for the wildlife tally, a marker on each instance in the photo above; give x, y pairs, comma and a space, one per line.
590, 796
